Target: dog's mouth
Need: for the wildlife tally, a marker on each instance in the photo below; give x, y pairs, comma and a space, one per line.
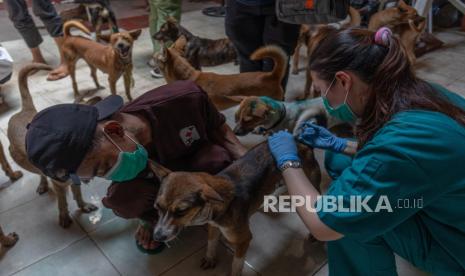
124, 51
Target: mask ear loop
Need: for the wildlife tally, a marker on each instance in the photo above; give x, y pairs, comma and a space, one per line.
329, 87
111, 140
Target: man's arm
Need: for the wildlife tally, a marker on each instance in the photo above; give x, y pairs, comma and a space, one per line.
225, 137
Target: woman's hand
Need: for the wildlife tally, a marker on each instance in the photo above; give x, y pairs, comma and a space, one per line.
282, 146
316, 136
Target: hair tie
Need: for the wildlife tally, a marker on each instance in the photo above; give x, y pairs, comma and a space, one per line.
382, 36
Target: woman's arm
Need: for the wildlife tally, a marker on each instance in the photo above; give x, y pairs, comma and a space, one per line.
351, 148
299, 185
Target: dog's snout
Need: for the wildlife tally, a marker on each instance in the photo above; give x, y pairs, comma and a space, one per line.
239, 131
121, 46
159, 236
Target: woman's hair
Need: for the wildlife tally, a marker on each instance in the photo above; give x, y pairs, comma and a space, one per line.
380, 60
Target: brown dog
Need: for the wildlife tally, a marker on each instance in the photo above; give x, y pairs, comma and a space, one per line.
17, 127
404, 22
392, 16
114, 59
225, 201
222, 88
199, 51
307, 31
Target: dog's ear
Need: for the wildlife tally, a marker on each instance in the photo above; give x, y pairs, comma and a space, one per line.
209, 194
159, 171
105, 37
135, 33
402, 6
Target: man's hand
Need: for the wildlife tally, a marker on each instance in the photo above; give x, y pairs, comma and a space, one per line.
225, 137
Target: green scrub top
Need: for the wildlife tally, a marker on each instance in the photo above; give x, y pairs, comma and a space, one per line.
419, 156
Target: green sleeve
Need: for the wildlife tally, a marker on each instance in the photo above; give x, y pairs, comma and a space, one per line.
381, 171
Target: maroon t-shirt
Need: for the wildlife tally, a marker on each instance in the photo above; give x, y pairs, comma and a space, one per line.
181, 116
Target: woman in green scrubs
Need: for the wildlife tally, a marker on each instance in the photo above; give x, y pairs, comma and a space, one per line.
408, 159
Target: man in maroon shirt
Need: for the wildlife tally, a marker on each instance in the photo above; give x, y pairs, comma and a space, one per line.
175, 125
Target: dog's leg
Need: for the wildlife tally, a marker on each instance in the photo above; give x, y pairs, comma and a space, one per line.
72, 73
295, 59
43, 185
8, 240
93, 73
240, 249
308, 84
84, 206
112, 80
64, 219
13, 175
213, 238
127, 83
98, 29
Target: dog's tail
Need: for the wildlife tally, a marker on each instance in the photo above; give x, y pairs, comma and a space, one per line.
26, 99
278, 56
76, 24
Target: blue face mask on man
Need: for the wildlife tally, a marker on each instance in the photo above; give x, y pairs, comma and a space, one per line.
343, 112
129, 164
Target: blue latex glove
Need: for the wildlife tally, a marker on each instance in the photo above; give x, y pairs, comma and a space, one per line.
319, 137
283, 147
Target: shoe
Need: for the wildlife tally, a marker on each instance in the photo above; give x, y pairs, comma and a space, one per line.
156, 73
152, 63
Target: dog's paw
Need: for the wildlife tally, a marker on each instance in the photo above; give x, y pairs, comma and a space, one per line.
65, 220
10, 239
15, 175
208, 263
88, 207
42, 188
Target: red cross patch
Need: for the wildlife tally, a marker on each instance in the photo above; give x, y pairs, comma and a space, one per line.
189, 135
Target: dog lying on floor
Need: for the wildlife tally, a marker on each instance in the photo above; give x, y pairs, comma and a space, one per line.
222, 88
263, 115
392, 16
199, 51
225, 201
17, 127
97, 12
114, 59
405, 22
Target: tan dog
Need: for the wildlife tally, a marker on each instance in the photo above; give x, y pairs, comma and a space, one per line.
222, 88
404, 22
114, 59
392, 16
310, 35
17, 127
224, 201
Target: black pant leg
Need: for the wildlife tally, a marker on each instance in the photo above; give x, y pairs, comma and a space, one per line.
244, 27
45, 10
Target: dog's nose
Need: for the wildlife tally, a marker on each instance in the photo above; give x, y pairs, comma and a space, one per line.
239, 131
121, 46
159, 236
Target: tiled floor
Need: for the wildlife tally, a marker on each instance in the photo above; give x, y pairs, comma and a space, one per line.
102, 244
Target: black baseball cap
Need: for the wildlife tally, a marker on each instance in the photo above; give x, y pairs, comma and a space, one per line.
59, 136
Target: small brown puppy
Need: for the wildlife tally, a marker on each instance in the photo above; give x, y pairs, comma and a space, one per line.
17, 127
392, 16
199, 51
114, 59
222, 88
224, 201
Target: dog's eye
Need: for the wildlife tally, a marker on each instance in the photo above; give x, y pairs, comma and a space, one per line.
180, 211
